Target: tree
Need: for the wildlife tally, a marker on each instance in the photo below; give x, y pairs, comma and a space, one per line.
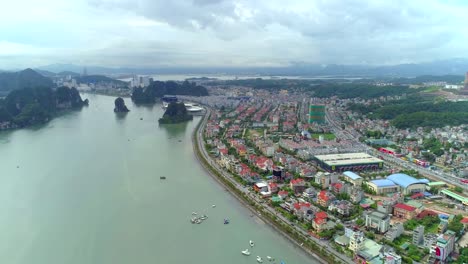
360, 222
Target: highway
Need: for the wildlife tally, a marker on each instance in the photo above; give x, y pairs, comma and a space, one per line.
259, 201
350, 134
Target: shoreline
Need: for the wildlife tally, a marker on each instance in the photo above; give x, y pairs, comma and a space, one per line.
232, 190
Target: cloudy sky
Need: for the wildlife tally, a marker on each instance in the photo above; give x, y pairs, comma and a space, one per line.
235, 33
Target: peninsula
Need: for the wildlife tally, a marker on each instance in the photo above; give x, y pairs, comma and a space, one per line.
175, 113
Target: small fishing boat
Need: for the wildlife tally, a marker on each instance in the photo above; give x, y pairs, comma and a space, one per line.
214, 205
259, 259
270, 258
203, 217
251, 243
226, 221
194, 213
162, 177
245, 252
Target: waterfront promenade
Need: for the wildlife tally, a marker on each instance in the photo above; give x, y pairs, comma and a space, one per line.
257, 205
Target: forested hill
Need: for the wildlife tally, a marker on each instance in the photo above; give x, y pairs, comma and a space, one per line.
29, 106
28, 78
416, 112
158, 89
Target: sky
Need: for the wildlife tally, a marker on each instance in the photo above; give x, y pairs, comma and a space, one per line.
233, 33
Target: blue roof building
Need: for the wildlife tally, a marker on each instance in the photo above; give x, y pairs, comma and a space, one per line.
353, 178
408, 184
352, 175
383, 186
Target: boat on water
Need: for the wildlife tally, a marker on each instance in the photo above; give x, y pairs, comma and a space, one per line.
191, 107
162, 177
270, 258
203, 217
226, 221
214, 205
259, 259
194, 213
245, 252
251, 243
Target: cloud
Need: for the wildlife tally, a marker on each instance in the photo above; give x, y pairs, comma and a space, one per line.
231, 32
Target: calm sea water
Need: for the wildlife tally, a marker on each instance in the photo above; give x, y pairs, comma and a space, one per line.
86, 188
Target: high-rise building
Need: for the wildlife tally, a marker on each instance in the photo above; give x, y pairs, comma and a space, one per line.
466, 80
444, 246
465, 87
418, 235
316, 113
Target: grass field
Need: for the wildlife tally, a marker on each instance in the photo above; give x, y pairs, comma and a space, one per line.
326, 136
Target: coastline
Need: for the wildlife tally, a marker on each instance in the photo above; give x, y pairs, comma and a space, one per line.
252, 206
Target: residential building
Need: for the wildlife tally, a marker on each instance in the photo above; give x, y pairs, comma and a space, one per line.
309, 194
338, 187
404, 211
297, 185
378, 222
341, 207
444, 246
320, 221
430, 240
356, 241
356, 195
324, 198
391, 258
442, 226
260, 187
283, 194
394, 232
325, 179
418, 236
272, 187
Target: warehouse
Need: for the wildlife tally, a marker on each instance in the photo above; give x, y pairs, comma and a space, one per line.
383, 186
348, 162
353, 178
408, 184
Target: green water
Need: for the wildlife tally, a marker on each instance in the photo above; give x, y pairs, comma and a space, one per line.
85, 188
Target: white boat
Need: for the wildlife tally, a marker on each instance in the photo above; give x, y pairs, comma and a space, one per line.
214, 205
194, 213
270, 258
259, 259
245, 252
251, 243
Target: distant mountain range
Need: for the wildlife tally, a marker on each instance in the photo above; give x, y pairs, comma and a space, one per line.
441, 67
23, 79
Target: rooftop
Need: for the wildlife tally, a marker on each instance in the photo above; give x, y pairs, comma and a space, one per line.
370, 250
352, 175
405, 207
455, 196
383, 183
378, 215
347, 158
405, 180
